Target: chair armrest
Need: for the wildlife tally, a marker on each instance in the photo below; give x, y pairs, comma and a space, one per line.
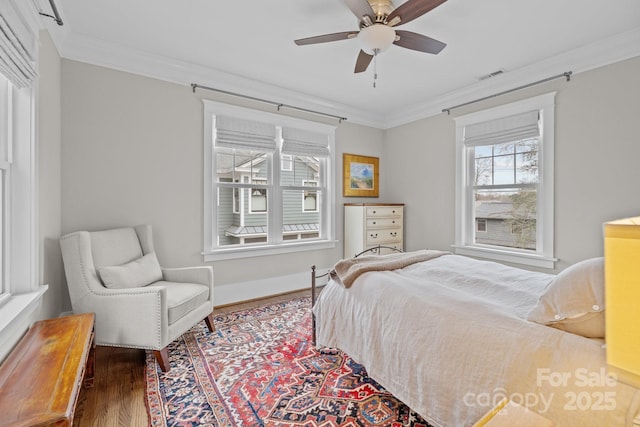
117, 310
202, 275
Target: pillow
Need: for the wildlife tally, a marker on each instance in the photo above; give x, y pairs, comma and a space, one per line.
574, 300
140, 272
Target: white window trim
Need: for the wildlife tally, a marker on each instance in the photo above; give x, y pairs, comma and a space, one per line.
278, 246
543, 256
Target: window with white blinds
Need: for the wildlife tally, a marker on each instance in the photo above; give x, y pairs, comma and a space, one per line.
19, 290
241, 134
267, 183
505, 182
17, 47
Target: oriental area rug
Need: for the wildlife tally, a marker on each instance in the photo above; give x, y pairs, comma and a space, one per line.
259, 368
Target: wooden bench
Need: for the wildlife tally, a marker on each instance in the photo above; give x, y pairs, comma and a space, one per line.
41, 378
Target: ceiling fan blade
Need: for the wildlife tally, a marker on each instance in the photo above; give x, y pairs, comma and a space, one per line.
363, 61
411, 10
360, 8
415, 41
327, 38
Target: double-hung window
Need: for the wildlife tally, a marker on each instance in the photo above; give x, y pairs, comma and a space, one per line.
19, 292
504, 200
267, 183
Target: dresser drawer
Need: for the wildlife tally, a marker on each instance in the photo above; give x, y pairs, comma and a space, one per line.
384, 249
383, 236
383, 211
384, 222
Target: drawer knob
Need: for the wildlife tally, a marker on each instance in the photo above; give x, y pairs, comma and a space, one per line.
394, 211
392, 222
394, 234
374, 223
374, 211
374, 236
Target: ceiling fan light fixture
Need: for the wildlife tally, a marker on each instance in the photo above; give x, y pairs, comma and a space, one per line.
376, 38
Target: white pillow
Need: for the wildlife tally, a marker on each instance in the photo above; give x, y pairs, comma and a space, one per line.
140, 272
574, 300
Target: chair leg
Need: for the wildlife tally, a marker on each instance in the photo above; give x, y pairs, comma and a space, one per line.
209, 321
162, 356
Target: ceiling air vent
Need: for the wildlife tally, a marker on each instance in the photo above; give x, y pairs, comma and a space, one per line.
495, 73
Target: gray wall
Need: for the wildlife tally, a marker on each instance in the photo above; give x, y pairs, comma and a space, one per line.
132, 153
56, 299
597, 155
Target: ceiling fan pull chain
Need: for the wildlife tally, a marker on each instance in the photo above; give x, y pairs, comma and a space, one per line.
375, 66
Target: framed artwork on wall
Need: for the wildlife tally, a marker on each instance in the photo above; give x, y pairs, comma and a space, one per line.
360, 176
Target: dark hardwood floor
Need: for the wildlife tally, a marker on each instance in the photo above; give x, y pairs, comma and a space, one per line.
117, 397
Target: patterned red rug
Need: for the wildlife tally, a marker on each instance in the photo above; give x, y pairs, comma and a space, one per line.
260, 369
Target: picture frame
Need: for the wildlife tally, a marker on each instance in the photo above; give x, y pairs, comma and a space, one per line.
360, 176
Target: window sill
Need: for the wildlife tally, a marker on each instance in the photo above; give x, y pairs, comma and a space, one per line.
14, 315
533, 260
256, 251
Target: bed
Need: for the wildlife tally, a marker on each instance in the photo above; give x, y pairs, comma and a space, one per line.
451, 336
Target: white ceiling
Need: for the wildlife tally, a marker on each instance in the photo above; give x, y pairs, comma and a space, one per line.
246, 46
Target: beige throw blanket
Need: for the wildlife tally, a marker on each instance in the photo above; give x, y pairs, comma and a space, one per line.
347, 270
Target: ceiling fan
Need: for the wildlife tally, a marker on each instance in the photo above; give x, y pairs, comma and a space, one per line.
376, 19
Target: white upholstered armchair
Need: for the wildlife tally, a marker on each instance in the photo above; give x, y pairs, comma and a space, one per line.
115, 274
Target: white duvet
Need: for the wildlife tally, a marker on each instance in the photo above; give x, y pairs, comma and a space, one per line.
449, 337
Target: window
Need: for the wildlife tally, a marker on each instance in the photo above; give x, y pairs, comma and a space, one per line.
267, 183
310, 197
504, 190
258, 200
17, 194
19, 290
286, 164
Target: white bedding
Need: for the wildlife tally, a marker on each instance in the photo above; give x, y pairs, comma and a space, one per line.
449, 337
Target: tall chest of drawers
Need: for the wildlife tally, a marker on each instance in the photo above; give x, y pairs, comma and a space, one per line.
367, 225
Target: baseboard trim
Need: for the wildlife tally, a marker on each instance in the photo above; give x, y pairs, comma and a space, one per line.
234, 293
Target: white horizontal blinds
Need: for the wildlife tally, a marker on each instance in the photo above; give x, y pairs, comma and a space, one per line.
243, 134
17, 62
505, 129
299, 142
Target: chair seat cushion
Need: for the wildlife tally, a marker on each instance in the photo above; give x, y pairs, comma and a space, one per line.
182, 298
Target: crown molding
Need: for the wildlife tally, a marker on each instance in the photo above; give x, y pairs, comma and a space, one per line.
604, 52
99, 52
123, 58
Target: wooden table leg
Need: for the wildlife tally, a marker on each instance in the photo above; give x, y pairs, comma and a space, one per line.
90, 369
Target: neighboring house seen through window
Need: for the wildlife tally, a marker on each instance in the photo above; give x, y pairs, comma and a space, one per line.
505, 182
310, 197
272, 182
